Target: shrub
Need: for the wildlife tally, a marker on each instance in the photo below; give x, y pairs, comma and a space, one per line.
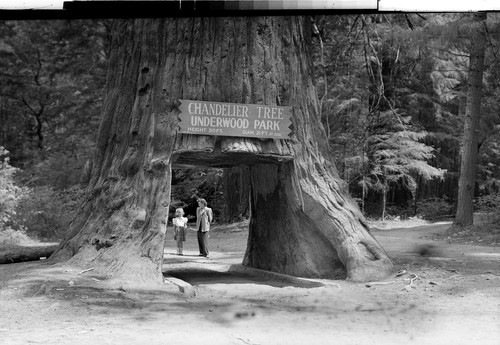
11, 232
190, 184
46, 213
487, 203
490, 206
435, 208
396, 211
10, 193
10, 237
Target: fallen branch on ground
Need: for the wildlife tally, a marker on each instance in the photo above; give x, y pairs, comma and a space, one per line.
22, 254
370, 284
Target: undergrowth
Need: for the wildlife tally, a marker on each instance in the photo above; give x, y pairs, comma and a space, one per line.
484, 231
11, 238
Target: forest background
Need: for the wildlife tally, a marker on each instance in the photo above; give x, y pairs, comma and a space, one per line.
393, 93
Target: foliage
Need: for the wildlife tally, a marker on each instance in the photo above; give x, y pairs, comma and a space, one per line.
484, 231
397, 157
46, 213
188, 185
489, 151
10, 237
38, 212
489, 205
378, 142
10, 193
51, 91
393, 90
435, 208
451, 40
11, 232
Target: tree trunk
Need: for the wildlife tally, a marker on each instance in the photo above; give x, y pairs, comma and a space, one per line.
237, 192
21, 253
302, 220
466, 183
384, 200
309, 226
121, 225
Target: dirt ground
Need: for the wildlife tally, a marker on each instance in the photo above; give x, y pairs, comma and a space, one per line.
450, 295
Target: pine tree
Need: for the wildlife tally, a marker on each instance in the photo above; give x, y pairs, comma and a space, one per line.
372, 60
466, 186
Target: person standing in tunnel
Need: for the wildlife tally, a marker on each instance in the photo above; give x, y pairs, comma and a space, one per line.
180, 226
204, 217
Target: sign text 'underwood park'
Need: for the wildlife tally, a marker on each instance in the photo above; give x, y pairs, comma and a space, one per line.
236, 120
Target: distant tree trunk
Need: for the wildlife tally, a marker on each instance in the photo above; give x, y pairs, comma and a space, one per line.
466, 183
363, 195
380, 66
3, 121
414, 193
237, 193
302, 220
384, 200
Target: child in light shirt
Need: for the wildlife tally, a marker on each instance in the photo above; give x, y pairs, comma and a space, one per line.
180, 226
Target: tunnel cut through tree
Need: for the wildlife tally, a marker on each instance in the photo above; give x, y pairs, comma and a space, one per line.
302, 220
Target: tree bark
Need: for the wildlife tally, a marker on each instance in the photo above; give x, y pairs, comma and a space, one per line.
121, 225
384, 198
236, 192
468, 165
309, 226
302, 220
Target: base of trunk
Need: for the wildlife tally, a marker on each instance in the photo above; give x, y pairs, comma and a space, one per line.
122, 267
310, 229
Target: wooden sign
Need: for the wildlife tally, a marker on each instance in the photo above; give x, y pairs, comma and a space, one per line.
235, 120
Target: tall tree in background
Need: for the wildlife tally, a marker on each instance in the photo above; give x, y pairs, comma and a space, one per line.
52, 78
302, 220
381, 145
489, 164
236, 193
468, 167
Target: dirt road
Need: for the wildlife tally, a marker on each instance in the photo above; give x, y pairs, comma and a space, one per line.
449, 297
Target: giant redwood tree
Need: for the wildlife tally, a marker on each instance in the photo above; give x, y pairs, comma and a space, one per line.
302, 220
